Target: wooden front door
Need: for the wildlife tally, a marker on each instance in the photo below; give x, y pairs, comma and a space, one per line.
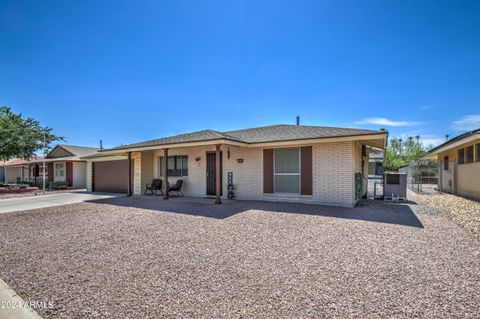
212, 173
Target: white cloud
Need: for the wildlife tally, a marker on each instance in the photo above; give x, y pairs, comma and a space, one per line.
386, 122
433, 141
467, 123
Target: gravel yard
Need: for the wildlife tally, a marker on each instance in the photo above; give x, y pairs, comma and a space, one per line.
148, 258
463, 211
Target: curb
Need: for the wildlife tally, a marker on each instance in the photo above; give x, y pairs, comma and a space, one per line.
11, 305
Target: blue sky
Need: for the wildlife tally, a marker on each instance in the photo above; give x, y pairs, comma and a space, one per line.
126, 71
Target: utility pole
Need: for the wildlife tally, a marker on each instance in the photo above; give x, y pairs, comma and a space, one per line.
44, 154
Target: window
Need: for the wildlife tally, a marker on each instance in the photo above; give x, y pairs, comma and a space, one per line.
177, 165
287, 171
477, 147
461, 156
445, 163
59, 169
469, 154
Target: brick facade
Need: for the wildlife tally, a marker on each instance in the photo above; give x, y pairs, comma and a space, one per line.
333, 167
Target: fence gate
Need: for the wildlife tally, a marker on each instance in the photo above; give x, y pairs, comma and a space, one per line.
447, 173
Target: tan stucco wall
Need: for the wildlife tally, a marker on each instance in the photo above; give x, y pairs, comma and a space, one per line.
147, 169
468, 180
332, 165
467, 175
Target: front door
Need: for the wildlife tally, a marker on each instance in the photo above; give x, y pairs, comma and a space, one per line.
212, 173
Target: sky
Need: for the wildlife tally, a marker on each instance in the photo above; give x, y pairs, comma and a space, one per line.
129, 71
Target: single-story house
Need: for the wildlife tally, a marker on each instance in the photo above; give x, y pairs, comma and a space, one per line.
19, 169
62, 163
459, 164
311, 164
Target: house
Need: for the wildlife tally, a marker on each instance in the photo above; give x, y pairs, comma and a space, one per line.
310, 164
459, 164
18, 169
62, 163
2, 172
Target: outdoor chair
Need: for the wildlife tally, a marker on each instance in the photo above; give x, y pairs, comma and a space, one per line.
177, 188
155, 186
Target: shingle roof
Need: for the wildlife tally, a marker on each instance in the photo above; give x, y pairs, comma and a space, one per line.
285, 132
271, 133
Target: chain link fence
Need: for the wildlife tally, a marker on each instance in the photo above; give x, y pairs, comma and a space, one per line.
422, 176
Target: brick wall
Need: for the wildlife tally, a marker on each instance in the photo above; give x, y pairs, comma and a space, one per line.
333, 181
332, 166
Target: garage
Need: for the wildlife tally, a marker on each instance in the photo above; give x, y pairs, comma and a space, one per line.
110, 176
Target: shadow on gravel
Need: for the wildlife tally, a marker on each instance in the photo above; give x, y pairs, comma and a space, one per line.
399, 214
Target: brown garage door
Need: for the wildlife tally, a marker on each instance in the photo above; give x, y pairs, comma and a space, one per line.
111, 176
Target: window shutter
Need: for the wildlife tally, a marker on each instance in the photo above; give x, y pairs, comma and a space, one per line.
268, 171
69, 173
50, 172
306, 170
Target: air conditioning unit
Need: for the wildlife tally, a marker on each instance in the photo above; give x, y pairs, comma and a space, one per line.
395, 186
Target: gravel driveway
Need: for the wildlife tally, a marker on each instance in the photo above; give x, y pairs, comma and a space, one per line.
148, 258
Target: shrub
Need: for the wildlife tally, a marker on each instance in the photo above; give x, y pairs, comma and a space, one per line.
27, 182
57, 185
22, 185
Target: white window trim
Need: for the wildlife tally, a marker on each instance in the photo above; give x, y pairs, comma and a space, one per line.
299, 174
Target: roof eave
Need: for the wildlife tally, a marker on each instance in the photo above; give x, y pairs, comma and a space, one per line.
433, 154
123, 150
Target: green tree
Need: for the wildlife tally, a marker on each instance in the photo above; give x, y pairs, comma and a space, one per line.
22, 137
401, 152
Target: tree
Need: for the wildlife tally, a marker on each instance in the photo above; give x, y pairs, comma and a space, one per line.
399, 152
22, 137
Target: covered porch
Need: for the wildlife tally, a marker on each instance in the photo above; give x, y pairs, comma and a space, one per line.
201, 168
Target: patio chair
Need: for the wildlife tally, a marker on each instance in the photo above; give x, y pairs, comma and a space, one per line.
177, 188
155, 186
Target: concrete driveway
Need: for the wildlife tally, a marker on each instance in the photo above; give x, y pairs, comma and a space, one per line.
41, 201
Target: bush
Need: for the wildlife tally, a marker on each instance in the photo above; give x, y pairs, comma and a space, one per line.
2, 184
27, 182
23, 185
57, 185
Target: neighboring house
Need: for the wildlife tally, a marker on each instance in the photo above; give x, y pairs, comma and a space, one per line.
281, 162
2, 172
18, 169
459, 164
63, 164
